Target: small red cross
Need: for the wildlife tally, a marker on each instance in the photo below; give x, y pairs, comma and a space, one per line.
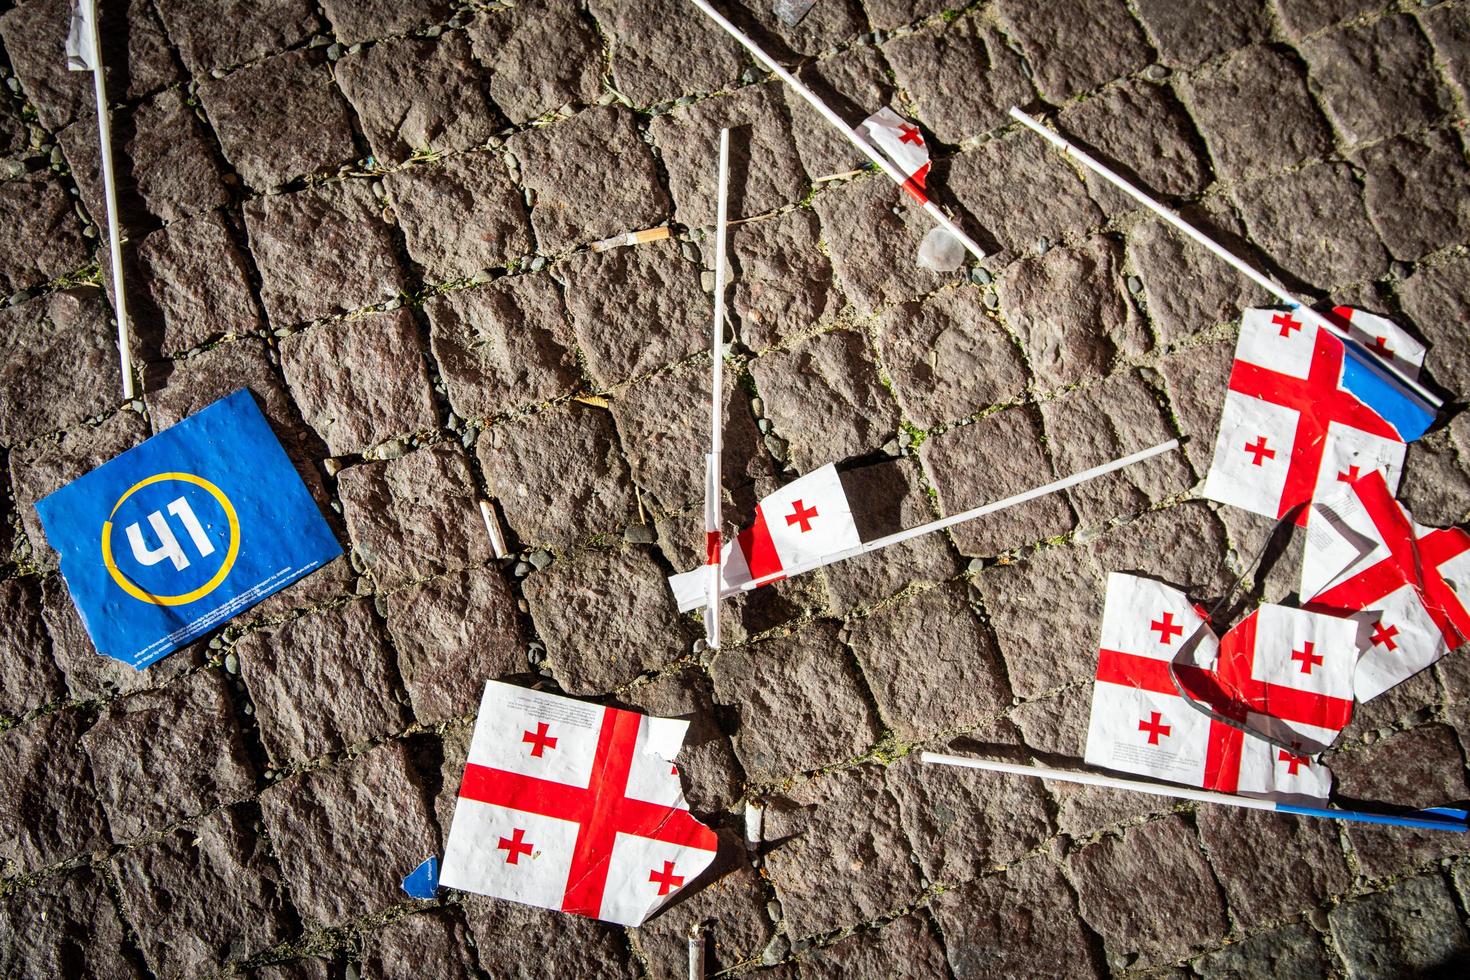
1383, 637
801, 515
515, 846
1306, 657
911, 134
1349, 475
1154, 728
1286, 322
1293, 762
667, 880
1380, 344
1167, 629
539, 739
1260, 451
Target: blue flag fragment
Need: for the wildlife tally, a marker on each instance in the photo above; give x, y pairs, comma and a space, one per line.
423, 881
176, 536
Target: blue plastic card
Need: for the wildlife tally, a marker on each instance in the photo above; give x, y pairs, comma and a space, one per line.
176, 536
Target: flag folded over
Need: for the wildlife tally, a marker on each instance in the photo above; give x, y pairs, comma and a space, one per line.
1364, 553
798, 526
1280, 671
1305, 412
902, 143
572, 806
81, 45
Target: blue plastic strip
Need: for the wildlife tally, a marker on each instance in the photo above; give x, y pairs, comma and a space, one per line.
1400, 408
423, 882
1358, 816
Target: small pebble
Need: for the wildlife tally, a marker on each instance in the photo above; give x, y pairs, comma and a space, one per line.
334, 52
991, 300
521, 570
758, 406
1043, 245
232, 663
775, 951
541, 558
538, 263
980, 276
639, 534
1156, 73
1135, 285
764, 425
434, 31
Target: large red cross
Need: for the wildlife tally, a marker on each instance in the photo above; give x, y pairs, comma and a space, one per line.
1167, 629
514, 846
1259, 451
1155, 728
540, 741
910, 134
1349, 475
1411, 561
602, 810
1306, 658
1318, 402
666, 880
1381, 348
801, 515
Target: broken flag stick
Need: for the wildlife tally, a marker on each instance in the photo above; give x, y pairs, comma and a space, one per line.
84, 51
898, 176
1222, 253
899, 537
1435, 818
712, 484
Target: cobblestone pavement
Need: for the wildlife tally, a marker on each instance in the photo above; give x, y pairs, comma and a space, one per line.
374, 213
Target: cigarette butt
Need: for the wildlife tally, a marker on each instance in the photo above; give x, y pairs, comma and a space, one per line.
631, 238
492, 527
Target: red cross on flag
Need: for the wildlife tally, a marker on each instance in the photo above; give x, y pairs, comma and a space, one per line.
1141, 724
1305, 413
901, 142
804, 524
572, 806
1364, 554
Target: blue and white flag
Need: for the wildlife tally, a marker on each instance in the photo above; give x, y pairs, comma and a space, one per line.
178, 535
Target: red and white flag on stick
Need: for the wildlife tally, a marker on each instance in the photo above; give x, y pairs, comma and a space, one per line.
1365, 554
808, 523
900, 140
1306, 413
713, 485
1283, 672
572, 806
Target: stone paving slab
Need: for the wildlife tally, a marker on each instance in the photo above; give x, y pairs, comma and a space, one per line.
376, 216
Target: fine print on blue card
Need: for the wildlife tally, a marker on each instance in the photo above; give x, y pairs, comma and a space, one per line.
176, 536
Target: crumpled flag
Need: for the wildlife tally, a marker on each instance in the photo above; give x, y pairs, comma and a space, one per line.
1305, 413
1364, 554
573, 806
1282, 672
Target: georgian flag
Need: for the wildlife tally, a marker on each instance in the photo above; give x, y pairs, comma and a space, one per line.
901, 142
806, 523
572, 806
1305, 414
1365, 554
1281, 671
81, 46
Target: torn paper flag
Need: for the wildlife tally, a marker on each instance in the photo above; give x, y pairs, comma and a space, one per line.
1304, 414
1141, 723
798, 526
1364, 553
81, 39
572, 806
176, 536
902, 143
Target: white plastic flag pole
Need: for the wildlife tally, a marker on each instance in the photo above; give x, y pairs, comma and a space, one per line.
1433, 819
114, 239
968, 515
898, 176
714, 543
1216, 249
